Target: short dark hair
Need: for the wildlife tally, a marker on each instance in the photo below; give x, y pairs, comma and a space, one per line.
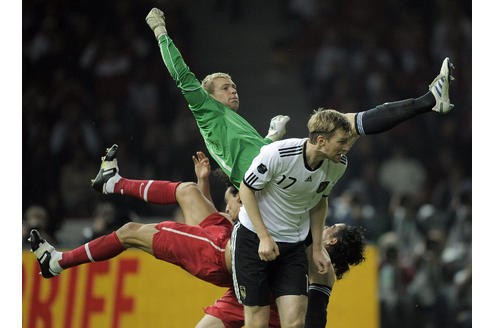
233, 190
220, 176
348, 250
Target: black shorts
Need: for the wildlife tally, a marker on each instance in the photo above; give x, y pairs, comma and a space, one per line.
256, 280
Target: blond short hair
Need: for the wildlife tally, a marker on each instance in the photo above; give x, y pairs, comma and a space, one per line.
325, 122
207, 82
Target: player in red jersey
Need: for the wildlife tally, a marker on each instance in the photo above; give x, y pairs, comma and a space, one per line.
205, 229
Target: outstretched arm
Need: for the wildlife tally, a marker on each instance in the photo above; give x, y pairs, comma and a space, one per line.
180, 72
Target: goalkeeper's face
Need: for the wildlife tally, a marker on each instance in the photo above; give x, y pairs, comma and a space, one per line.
225, 91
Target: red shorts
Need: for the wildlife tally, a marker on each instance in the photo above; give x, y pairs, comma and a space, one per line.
200, 250
231, 312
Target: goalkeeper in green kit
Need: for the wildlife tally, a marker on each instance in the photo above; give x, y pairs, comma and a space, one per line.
233, 142
214, 102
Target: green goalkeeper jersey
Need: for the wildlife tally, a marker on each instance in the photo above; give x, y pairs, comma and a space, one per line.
229, 138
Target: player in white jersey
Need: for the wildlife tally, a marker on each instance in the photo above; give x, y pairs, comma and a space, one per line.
290, 199
284, 195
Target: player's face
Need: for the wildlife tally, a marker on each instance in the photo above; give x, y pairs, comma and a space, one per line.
336, 146
233, 202
225, 91
330, 233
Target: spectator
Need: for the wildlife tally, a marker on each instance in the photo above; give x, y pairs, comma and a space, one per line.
35, 217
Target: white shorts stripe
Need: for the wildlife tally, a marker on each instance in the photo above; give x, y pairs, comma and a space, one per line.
195, 237
88, 252
145, 195
232, 252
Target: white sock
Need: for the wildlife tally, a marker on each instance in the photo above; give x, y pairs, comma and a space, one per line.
110, 184
54, 265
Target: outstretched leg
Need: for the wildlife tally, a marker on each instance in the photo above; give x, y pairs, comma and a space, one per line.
386, 116
53, 262
109, 181
195, 206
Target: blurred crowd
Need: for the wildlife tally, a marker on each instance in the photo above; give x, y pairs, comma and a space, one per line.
91, 79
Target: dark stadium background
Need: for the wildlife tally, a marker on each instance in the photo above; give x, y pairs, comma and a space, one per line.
93, 76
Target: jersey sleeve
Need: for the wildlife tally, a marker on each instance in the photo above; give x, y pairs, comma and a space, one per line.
262, 169
185, 79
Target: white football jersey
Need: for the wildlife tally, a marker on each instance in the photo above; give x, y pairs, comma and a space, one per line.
287, 189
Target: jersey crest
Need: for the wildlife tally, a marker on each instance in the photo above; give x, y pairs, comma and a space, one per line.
262, 168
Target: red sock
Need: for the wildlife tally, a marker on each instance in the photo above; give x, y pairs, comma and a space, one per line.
156, 192
99, 249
